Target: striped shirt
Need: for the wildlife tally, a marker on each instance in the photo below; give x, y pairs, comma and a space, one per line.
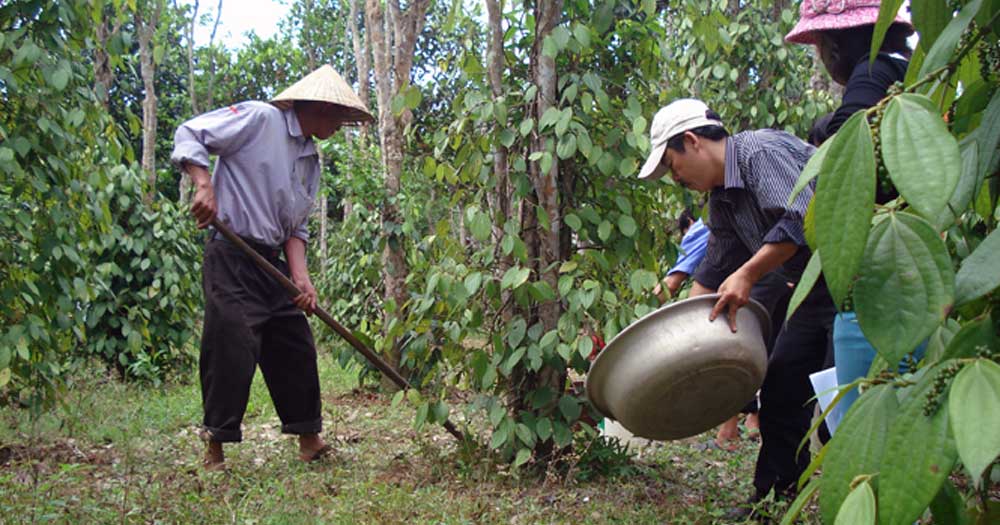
749, 210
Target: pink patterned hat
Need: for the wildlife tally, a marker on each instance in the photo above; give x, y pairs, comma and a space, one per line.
822, 15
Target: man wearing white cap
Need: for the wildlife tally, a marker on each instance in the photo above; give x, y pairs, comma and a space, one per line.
263, 187
754, 234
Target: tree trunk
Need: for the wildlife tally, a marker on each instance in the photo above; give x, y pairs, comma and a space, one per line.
189, 36
362, 55
210, 92
543, 244
147, 30
103, 74
500, 196
545, 183
392, 69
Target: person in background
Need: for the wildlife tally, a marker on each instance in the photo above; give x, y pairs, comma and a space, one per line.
694, 240
842, 33
263, 188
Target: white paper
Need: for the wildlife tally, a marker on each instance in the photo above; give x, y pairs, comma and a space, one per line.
824, 384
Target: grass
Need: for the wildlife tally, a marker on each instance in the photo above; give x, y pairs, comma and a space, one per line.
117, 453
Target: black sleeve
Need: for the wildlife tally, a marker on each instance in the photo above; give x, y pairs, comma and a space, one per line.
867, 87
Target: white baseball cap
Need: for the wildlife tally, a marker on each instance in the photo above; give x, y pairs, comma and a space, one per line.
673, 119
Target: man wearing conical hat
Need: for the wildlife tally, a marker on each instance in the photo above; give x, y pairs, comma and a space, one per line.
265, 180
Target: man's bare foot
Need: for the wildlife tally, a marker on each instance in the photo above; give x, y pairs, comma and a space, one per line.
214, 458
312, 447
728, 433
753, 424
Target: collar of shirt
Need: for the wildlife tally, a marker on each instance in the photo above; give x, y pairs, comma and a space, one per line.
295, 131
732, 174
732, 179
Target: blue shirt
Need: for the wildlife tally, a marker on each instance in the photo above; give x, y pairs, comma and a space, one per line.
692, 249
267, 173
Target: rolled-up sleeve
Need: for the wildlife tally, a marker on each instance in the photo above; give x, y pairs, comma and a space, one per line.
302, 232
218, 132
773, 177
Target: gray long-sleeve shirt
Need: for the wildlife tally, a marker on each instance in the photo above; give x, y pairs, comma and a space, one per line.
267, 172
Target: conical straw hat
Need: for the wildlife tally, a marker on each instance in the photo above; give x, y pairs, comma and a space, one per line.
326, 85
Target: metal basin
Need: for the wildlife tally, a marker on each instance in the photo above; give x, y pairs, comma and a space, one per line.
674, 374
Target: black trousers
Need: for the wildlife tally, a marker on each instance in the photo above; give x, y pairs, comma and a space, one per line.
249, 321
786, 410
773, 293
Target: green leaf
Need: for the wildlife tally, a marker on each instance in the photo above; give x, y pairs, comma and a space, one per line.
980, 272
642, 281
567, 146
499, 437
987, 136
944, 46
440, 411
966, 343
582, 34
585, 346
844, 204
518, 327
480, 226
523, 455
915, 143
974, 408
507, 138
549, 118
4, 377
397, 398
809, 277
561, 434
497, 412
949, 506
573, 221
604, 230
940, 340
858, 507
857, 447
810, 171
886, 15
413, 97
906, 287
472, 282
930, 17
526, 126
514, 277
626, 224
569, 408
543, 427
421, 416
60, 77
911, 475
525, 434
965, 189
